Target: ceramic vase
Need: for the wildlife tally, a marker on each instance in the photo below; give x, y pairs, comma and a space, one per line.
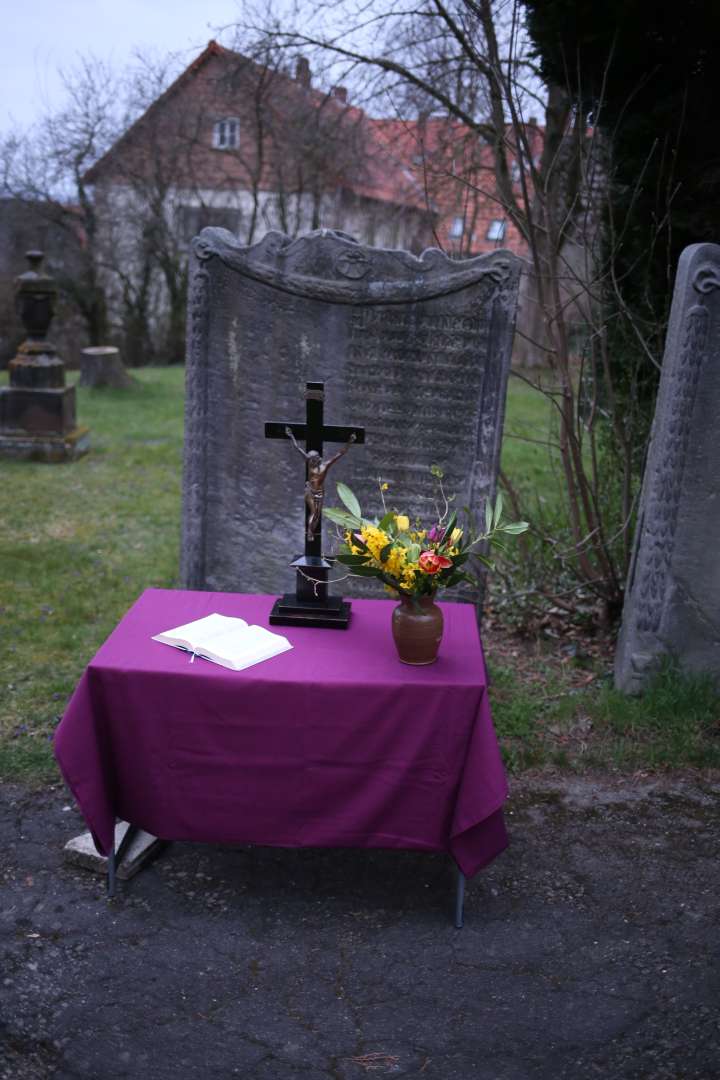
417, 628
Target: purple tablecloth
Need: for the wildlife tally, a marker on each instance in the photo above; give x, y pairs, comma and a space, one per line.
334, 743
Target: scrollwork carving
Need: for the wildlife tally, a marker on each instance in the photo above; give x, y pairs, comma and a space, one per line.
707, 278
388, 277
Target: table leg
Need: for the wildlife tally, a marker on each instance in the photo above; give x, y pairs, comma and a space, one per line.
459, 900
111, 873
116, 857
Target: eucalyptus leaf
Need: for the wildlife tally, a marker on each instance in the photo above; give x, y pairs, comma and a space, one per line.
498, 509
347, 497
488, 516
452, 521
341, 517
352, 560
516, 527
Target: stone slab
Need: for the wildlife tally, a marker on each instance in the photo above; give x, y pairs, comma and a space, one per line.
48, 448
415, 350
672, 602
80, 851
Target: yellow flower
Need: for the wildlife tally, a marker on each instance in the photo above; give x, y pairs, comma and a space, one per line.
455, 536
403, 522
384, 487
375, 539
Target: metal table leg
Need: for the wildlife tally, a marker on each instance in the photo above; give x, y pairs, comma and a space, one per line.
459, 900
116, 857
111, 873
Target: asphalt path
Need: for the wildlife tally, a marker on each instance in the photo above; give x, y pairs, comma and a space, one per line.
590, 949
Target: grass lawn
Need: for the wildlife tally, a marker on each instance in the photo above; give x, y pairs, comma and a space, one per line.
79, 542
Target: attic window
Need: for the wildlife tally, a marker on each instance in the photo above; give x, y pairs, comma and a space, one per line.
496, 229
226, 134
457, 228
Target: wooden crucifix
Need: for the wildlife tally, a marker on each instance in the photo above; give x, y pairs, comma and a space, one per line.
312, 605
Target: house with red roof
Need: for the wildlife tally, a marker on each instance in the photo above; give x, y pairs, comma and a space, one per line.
251, 147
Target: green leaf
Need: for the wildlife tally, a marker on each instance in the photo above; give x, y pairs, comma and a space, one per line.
452, 521
488, 516
346, 496
385, 552
437, 472
498, 509
516, 527
386, 521
366, 571
341, 517
352, 560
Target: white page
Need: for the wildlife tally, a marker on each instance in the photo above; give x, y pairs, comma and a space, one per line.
202, 630
242, 650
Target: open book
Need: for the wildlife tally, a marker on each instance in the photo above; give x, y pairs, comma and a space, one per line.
227, 641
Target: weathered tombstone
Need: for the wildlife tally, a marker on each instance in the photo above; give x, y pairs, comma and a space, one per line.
414, 350
37, 409
101, 366
672, 602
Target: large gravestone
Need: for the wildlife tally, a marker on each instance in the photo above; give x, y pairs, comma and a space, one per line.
414, 350
672, 603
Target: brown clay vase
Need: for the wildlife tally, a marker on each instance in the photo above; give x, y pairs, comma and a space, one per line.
417, 627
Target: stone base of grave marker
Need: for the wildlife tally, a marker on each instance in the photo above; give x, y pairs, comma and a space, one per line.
49, 448
80, 851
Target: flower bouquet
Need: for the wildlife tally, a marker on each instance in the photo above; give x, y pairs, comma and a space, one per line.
414, 562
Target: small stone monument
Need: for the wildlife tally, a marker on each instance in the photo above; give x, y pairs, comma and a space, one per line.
415, 351
101, 366
37, 409
672, 600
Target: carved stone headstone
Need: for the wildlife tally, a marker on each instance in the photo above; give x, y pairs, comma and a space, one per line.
414, 350
672, 603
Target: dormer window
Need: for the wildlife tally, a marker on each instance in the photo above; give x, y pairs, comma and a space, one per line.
226, 134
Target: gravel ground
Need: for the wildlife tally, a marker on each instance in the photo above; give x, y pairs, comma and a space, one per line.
589, 950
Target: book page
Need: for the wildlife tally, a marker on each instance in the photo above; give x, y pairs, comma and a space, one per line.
241, 650
193, 634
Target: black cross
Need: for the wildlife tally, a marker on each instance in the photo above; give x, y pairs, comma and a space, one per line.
311, 605
314, 433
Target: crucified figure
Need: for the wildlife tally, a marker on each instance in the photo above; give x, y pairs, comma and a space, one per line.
315, 483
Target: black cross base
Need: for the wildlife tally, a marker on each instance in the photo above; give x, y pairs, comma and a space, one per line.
312, 605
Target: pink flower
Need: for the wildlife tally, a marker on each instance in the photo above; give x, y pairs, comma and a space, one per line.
432, 563
436, 534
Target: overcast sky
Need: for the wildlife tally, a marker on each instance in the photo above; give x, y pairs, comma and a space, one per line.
39, 36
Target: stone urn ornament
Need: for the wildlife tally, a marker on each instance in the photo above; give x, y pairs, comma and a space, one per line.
37, 409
